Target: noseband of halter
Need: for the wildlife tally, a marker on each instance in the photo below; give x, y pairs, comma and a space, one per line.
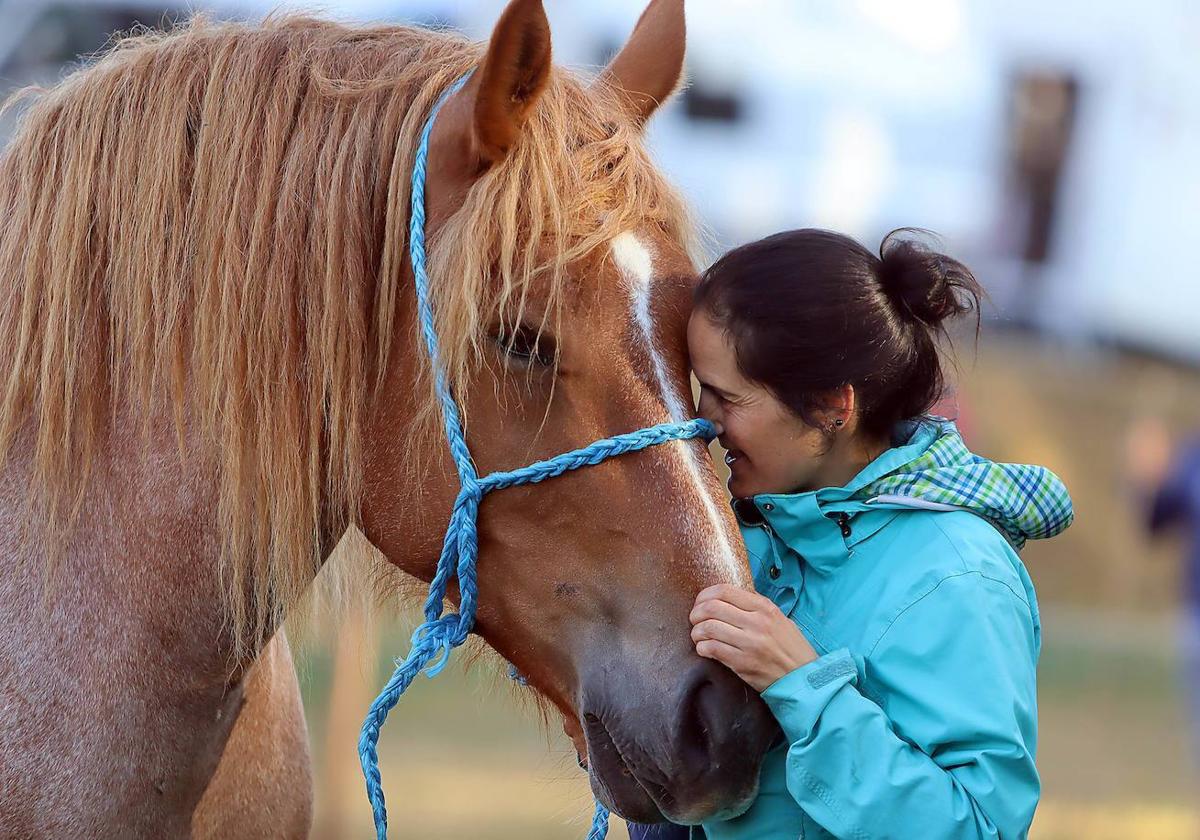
439, 634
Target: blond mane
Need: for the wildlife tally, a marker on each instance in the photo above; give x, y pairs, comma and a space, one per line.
212, 222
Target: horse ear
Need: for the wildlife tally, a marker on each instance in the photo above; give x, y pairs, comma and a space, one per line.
650, 66
510, 80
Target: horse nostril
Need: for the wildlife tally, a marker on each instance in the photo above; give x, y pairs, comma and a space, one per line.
698, 717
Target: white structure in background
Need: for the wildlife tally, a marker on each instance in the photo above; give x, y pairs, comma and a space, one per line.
864, 115
1125, 264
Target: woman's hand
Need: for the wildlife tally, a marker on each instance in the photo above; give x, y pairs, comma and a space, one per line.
748, 634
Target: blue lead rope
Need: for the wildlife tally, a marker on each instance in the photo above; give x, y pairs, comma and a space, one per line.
439, 634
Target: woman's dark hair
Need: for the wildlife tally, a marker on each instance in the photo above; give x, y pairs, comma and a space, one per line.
810, 310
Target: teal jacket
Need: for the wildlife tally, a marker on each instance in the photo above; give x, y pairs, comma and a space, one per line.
919, 718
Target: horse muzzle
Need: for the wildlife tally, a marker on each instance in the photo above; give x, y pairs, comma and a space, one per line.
689, 755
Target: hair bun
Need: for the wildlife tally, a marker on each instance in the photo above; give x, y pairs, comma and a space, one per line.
923, 284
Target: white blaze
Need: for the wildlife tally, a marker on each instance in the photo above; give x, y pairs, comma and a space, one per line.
637, 267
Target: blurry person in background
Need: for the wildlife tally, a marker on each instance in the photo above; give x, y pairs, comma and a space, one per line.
1167, 479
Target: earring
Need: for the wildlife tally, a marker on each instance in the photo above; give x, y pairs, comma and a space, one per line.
839, 422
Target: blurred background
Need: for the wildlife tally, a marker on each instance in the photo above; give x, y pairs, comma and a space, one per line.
1055, 147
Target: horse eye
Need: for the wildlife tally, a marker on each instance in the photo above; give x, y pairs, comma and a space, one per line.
523, 345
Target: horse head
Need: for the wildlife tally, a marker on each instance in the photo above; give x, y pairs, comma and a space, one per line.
562, 282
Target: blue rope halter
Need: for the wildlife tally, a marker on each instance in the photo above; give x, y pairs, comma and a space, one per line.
439, 634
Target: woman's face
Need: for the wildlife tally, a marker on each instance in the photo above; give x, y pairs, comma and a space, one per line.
770, 449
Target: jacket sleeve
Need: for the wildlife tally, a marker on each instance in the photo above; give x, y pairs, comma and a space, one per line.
949, 754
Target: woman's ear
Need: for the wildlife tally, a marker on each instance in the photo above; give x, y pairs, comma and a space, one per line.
837, 408
845, 402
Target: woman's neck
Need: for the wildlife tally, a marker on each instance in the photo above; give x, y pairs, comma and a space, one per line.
848, 457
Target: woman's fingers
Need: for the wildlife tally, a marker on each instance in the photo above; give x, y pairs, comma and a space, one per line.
735, 595
712, 629
726, 654
721, 610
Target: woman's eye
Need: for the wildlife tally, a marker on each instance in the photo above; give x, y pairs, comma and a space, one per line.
525, 346
704, 389
719, 397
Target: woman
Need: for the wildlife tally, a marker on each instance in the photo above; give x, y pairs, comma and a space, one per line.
894, 632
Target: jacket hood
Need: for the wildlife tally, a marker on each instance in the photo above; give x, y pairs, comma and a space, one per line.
936, 471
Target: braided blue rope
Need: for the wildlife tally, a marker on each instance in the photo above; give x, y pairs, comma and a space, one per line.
439, 634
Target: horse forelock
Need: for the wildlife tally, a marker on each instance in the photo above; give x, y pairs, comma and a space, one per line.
576, 179
212, 222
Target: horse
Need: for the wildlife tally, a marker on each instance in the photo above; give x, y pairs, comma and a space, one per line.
212, 369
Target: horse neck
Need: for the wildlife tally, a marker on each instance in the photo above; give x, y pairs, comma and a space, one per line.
125, 626
140, 565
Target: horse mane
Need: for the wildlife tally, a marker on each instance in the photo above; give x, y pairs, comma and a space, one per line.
212, 222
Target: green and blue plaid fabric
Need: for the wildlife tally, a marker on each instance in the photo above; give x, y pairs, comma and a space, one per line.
1025, 501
